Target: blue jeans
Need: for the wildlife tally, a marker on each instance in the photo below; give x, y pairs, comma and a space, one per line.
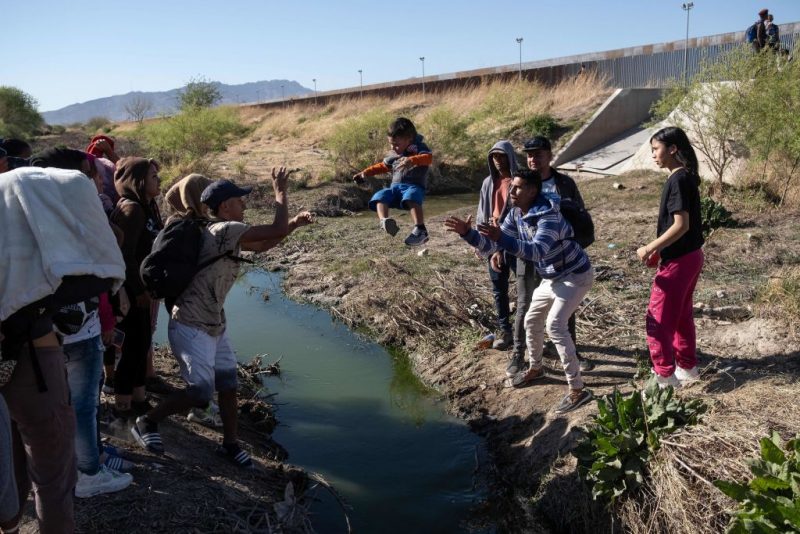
84, 370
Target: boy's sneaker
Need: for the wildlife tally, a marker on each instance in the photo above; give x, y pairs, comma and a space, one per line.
208, 416
417, 237
516, 364
687, 376
146, 434
574, 399
503, 341
104, 481
523, 378
390, 226
236, 455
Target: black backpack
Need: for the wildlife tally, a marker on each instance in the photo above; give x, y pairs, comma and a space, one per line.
174, 259
580, 220
751, 33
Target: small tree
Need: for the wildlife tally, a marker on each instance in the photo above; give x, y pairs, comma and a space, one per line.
138, 108
18, 115
199, 93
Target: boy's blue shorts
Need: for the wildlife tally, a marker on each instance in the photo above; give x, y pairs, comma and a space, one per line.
397, 195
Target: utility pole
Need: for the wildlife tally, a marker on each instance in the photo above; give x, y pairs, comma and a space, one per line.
423, 75
686, 7
283, 97
360, 84
519, 42
315, 90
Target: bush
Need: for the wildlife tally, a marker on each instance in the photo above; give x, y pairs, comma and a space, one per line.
448, 136
613, 455
543, 124
714, 215
360, 141
770, 502
98, 123
199, 93
18, 115
191, 135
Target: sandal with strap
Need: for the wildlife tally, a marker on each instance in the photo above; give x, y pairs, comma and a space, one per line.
146, 433
236, 455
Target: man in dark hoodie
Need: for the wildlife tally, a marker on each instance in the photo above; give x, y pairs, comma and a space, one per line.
493, 207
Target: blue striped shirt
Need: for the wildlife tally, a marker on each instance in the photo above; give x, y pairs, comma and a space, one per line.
542, 236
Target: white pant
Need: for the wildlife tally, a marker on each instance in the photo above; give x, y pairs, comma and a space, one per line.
555, 301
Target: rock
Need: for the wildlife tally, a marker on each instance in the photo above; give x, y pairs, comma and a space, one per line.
726, 313
423, 252
617, 185
721, 294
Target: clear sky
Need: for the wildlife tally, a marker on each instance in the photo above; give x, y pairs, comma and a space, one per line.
69, 51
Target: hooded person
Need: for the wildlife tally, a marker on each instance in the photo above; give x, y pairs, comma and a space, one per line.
493, 206
184, 196
137, 215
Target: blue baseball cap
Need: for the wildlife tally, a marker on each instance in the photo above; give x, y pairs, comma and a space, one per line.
220, 191
537, 143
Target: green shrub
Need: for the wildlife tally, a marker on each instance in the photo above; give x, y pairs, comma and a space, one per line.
770, 502
714, 215
18, 114
360, 141
613, 455
543, 124
192, 134
97, 123
446, 133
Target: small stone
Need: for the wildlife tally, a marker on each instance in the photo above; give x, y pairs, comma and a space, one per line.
721, 294
617, 185
423, 252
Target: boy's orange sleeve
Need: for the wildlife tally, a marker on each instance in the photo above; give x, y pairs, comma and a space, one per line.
378, 168
421, 160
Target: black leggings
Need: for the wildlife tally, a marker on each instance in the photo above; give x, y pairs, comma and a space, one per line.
132, 366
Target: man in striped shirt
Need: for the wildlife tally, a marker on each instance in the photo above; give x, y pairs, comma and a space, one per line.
535, 231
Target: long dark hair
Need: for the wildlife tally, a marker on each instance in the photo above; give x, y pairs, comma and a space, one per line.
685, 155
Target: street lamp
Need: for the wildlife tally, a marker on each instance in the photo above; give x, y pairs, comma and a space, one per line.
361, 83
423, 75
315, 90
686, 7
519, 42
283, 97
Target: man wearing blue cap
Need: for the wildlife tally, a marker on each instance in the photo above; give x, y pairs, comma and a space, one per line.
197, 326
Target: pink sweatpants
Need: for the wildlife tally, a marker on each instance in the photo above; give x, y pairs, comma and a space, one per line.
670, 322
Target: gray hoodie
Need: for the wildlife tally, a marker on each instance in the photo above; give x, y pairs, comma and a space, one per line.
487, 188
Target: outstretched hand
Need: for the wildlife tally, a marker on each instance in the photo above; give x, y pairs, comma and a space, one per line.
280, 179
496, 262
461, 227
303, 218
491, 231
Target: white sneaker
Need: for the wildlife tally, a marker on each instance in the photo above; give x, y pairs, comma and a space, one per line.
208, 416
104, 481
687, 376
665, 381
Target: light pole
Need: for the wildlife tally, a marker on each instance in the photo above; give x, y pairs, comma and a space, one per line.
361, 84
687, 6
315, 90
423, 75
519, 42
283, 97
258, 96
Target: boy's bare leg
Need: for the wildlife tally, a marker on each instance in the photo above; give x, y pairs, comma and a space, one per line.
416, 213
383, 210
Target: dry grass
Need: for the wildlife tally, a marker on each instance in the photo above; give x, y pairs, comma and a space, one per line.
679, 496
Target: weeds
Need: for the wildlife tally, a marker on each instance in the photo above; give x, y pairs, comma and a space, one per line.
770, 502
714, 215
613, 455
359, 141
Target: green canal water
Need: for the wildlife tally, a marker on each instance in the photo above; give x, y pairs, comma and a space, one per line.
355, 413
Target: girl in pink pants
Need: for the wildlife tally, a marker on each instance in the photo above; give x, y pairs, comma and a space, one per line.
677, 252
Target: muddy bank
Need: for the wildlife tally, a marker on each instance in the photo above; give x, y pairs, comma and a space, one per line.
436, 304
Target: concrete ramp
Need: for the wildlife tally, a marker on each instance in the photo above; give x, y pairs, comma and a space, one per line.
610, 157
606, 135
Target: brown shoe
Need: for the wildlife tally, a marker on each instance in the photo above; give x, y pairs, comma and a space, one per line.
526, 377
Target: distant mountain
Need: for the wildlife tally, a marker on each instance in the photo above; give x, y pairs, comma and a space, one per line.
166, 102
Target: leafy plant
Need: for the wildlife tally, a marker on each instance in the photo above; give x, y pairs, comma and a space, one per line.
18, 114
199, 93
359, 141
541, 124
714, 215
770, 502
613, 455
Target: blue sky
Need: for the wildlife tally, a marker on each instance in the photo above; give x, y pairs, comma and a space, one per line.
66, 52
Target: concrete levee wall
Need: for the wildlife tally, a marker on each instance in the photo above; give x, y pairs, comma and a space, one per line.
625, 109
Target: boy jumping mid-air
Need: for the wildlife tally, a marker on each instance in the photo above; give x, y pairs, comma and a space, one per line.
408, 164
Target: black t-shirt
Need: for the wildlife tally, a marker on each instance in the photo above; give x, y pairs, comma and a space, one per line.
681, 193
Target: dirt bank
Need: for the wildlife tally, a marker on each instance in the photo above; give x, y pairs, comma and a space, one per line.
436, 304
